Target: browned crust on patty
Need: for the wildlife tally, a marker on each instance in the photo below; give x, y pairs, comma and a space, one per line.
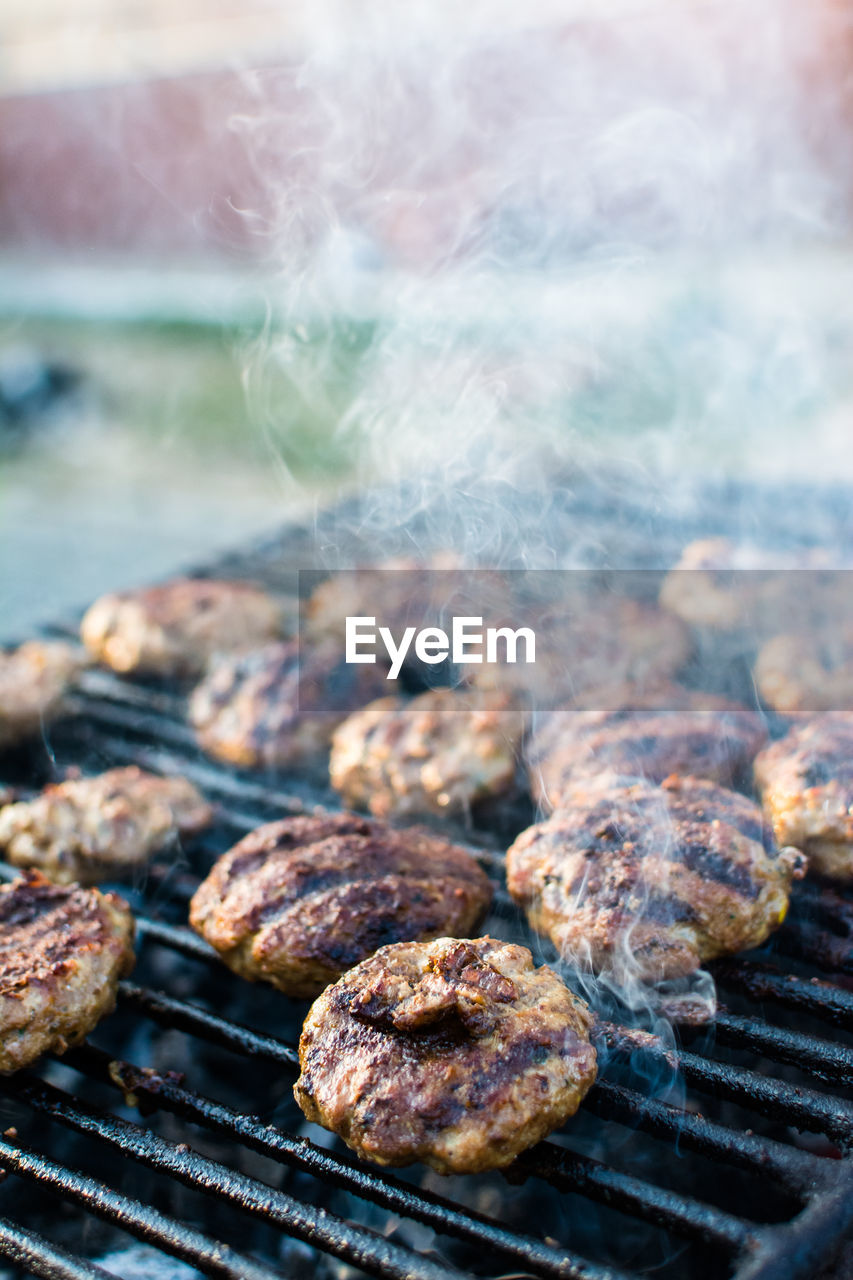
89, 829
63, 950
439, 753
34, 679
683, 732
460, 1054
174, 628
278, 706
806, 784
652, 881
299, 901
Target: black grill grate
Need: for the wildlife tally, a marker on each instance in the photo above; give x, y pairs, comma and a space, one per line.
768, 1100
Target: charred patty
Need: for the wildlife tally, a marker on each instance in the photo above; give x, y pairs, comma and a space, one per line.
440, 753
680, 731
33, 682
806, 784
173, 629
651, 880
298, 902
271, 708
63, 950
460, 1054
90, 829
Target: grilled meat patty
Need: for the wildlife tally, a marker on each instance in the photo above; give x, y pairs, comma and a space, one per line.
678, 731
173, 629
63, 950
439, 753
33, 681
652, 880
271, 708
588, 649
809, 671
460, 1054
298, 902
722, 586
806, 784
90, 829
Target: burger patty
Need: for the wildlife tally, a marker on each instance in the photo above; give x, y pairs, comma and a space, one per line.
810, 671
90, 829
651, 881
723, 586
439, 753
806, 785
33, 681
63, 950
269, 708
298, 902
679, 731
173, 629
588, 649
460, 1054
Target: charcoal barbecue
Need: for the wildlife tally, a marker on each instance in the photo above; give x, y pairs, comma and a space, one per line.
725, 1153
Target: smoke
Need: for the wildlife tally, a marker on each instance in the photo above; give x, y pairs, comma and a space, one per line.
496, 239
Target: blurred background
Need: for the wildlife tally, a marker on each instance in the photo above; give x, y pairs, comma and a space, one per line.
257, 255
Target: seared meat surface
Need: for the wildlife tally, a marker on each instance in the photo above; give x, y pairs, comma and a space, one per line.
678, 731
460, 1054
271, 708
806, 784
809, 671
298, 902
651, 880
173, 629
33, 681
63, 950
90, 829
439, 753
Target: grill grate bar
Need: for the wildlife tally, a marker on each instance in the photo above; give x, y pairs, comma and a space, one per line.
792, 1167
140, 1220
795, 1170
811, 996
826, 950
346, 1173
676, 1213
790, 1103
356, 1245
39, 1257
832, 1063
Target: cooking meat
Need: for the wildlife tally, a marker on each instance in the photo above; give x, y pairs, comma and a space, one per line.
677, 731
173, 629
439, 753
271, 709
90, 829
590, 648
722, 585
299, 901
807, 671
806, 784
398, 593
33, 682
460, 1054
652, 880
63, 950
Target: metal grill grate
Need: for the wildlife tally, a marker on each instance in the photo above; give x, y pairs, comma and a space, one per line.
663, 1119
